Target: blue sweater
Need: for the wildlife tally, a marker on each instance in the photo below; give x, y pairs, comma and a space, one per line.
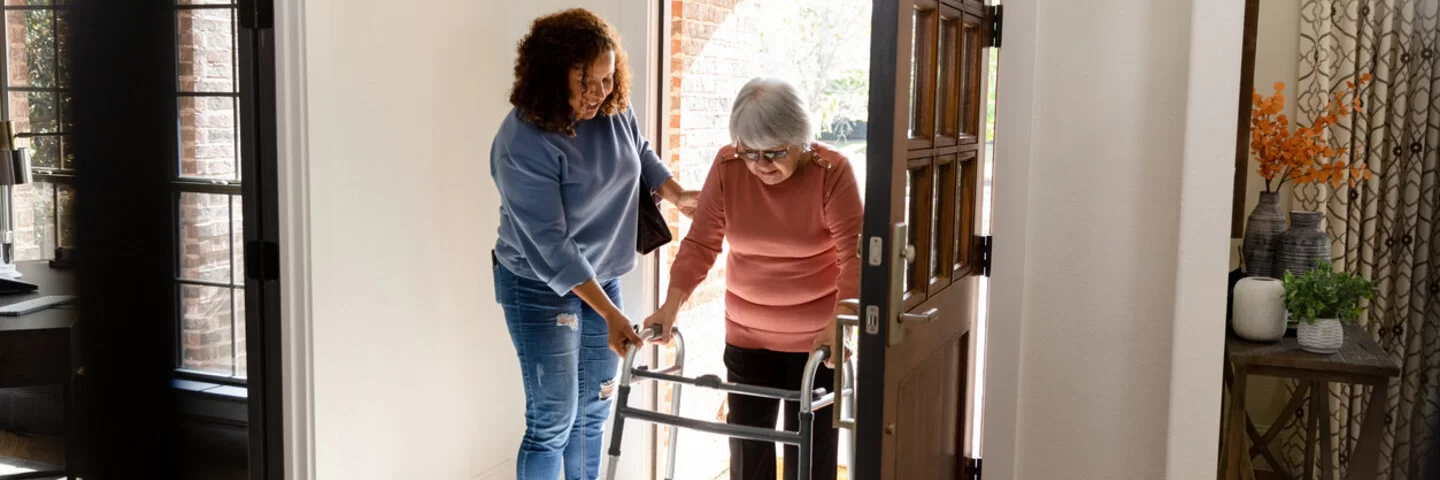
568, 204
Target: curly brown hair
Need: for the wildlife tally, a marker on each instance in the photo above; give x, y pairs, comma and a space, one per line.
556, 44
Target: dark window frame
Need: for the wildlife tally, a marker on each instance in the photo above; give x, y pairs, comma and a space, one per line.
233, 188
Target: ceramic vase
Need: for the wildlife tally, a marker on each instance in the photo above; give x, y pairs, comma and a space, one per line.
1325, 336
1305, 244
1261, 245
1260, 309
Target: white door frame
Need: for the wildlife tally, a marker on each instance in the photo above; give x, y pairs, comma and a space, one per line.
297, 362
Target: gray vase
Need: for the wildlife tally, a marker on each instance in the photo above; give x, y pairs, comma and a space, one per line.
1262, 237
1305, 244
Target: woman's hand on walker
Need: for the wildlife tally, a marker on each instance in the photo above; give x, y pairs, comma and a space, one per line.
665, 318
826, 340
622, 335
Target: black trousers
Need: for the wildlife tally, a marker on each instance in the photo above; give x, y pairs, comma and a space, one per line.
752, 460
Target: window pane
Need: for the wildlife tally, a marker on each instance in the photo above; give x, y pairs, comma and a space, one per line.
207, 138
65, 211
31, 48
936, 219
237, 239
27, 2
67, 112
62, 47
34, 112
205, 237
206, 330
240, 353
911, 209
45, 152
207, 50
34, 221
914, 72
67, 152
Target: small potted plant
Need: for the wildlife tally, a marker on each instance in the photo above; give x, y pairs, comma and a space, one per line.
1320, 300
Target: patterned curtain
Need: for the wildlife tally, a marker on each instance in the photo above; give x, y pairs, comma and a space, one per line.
1385, 229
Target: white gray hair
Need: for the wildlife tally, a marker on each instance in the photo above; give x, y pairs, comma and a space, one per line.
769, 113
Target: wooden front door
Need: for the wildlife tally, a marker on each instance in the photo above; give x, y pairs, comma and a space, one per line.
921, 251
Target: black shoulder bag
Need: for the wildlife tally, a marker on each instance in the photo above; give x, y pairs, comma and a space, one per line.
651, 230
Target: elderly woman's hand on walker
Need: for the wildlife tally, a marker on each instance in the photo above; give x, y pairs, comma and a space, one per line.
826, 339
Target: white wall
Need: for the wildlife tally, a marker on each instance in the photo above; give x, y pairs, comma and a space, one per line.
413, 372
1096, 179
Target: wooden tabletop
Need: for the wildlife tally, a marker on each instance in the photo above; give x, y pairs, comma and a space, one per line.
1360, 355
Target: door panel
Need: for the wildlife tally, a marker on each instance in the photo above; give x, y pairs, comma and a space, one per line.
931, 451
921, 263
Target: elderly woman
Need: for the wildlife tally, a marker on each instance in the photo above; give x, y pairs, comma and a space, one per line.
791, 211
567, 161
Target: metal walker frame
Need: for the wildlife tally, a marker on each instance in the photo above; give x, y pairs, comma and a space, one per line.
810, 398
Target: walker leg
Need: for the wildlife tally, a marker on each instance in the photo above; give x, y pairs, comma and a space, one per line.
849, 372
807, 441
679, 342
674, 434
618, 430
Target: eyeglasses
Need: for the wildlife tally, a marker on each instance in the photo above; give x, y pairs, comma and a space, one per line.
768, 155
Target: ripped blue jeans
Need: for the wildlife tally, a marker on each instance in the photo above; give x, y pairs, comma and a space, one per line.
569, 374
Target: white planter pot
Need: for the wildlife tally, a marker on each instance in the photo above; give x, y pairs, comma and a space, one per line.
1259, 314
1325, 336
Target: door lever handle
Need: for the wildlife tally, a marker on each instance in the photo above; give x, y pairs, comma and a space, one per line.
920, 318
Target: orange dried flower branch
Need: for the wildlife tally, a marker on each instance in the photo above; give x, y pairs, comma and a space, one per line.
1302, 155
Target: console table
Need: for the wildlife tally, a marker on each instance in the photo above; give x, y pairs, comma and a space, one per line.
1360, 361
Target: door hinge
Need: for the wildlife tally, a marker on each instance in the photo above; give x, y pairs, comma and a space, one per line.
972, 469
256, 14
986, 244
262, 260
997, 21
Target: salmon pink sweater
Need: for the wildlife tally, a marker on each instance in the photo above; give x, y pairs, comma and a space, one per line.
792, 248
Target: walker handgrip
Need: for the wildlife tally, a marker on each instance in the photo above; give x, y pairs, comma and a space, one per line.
650, 332
654, 331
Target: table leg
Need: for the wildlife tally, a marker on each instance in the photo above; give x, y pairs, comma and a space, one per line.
1365, 460
1235, 430
70, 435
1312, 427
1321, 394
1229, 387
